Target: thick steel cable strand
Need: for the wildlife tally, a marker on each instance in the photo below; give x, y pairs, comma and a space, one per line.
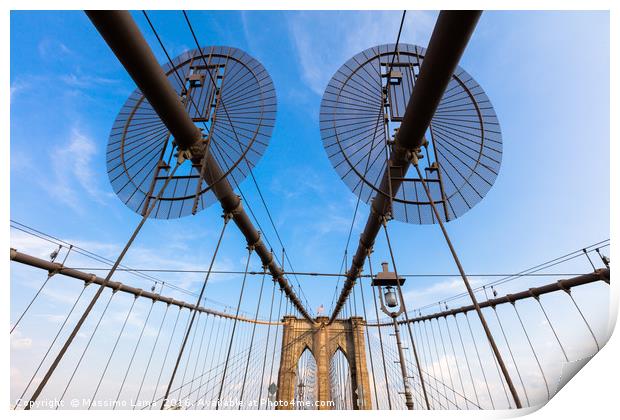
367, 162
244, 157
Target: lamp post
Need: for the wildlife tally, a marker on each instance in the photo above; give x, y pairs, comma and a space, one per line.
391, 305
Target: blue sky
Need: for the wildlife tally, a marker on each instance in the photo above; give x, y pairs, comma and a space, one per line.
547, 74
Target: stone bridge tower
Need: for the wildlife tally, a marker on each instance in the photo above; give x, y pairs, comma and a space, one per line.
323, 341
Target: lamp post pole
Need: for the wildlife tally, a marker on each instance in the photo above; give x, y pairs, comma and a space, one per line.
386, 278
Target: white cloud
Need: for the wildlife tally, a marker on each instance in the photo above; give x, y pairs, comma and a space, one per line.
24, 242
18, 86
79, 80
73, 171
19, 342
326, 40
51, 48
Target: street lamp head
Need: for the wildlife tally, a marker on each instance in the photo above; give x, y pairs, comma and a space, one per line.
390, 297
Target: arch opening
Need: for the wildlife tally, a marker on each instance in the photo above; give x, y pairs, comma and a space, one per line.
340, 380
306, 382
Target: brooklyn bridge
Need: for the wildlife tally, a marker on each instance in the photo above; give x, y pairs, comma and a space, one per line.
413, 136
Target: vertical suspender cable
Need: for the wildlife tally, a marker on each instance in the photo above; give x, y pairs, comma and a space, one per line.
456, 362
118, 338
204, 362
568, 291
372, 365
551, 326
163, 363
49, 276
484, 375
262, 375
202, 337
443, 346
275, 341
148, 364
374, 296
430, 354
51, 345
193, 311
133, 355
529, 341
501, 327
247, 364
471, 376
400, 293
189, 357
232, 335
105, 309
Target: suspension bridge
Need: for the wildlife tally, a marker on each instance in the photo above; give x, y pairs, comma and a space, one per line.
413, 135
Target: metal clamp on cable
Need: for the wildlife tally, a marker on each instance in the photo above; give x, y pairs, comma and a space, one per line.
234, 209
252, 246
563, 287
91, 280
